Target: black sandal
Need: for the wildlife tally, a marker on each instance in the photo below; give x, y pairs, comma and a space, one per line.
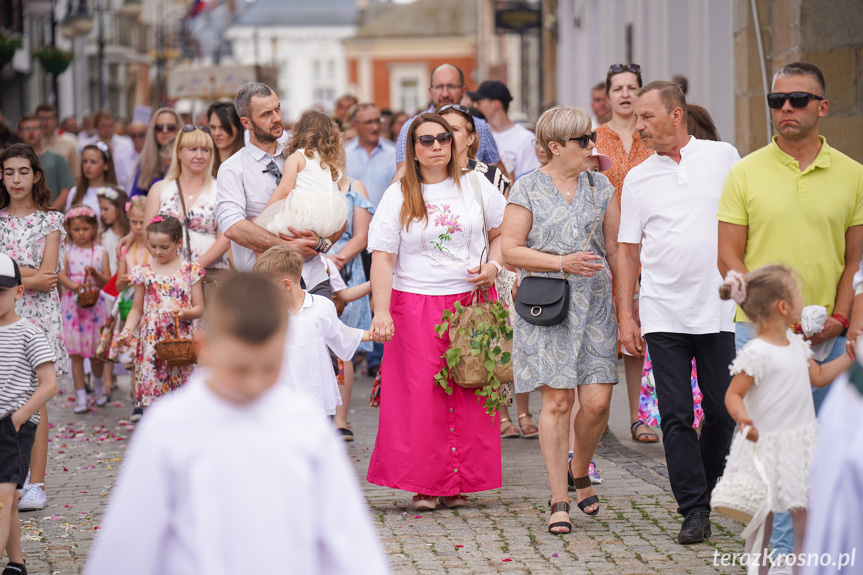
584, 483
556, 508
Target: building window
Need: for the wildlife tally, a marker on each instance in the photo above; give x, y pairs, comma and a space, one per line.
407, 86
325, 97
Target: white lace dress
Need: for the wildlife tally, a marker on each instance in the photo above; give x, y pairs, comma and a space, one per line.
781, 409
314, 203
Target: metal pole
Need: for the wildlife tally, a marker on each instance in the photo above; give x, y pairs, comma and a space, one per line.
103, 88
160, 55
541, 62
55, 90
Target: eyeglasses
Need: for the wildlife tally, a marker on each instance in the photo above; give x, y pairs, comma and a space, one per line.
618, 68
583, 140
776, 100
378, 120
166, 127
190, 128
444, 139
449, 87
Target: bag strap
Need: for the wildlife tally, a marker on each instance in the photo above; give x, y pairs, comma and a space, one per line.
187, 251
595, 211
474, 183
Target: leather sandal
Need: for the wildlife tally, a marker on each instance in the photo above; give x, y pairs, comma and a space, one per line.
424, 502
531, 425
454, 501
557, 507
584, 483
645, 436
507, 429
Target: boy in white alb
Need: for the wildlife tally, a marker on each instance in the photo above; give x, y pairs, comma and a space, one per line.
27, 381
178, 506
313, 328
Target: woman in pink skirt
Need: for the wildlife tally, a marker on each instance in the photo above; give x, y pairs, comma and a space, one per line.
427, 244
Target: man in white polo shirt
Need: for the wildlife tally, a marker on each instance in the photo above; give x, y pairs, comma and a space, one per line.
248, 179
668, 212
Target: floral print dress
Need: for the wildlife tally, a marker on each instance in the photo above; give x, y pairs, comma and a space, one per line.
23, 240
163, 295
203, 226
82, 324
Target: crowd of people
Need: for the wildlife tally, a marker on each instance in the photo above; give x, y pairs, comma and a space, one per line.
280, 257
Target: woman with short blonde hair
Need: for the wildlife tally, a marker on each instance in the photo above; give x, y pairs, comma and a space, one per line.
561, 223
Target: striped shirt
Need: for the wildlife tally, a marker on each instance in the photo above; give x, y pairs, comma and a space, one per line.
25, 347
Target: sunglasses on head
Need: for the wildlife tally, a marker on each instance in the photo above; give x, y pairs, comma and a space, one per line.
166, 127
444, 139
190, 128
618, 68
458, 108
776, 100
583, 140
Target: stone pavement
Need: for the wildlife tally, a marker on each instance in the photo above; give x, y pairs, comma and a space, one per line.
502, 531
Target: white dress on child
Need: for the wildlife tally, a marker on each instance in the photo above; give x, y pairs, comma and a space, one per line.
781, 409
314, 203
306, 366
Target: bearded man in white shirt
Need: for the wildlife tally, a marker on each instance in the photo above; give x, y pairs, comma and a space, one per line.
668, 214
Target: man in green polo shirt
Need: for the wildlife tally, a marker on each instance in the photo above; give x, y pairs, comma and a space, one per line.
57, 173
799, 203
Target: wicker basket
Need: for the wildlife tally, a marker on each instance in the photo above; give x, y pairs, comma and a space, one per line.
177, 352
88, 295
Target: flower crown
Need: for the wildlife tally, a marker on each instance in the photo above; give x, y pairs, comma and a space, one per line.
157, 219
80, 212
105, 148
108, 193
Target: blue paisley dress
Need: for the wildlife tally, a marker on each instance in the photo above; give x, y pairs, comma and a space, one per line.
357, 313
583, 348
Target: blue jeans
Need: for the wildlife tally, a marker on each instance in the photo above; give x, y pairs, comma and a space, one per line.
782, 539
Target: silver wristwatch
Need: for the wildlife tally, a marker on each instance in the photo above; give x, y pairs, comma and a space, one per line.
324, 245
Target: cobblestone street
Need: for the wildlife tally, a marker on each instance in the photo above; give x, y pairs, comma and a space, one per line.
502, 531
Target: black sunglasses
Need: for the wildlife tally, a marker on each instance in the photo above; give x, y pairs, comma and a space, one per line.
191, 128
458, 108
618, 68
583, 140
776, 100
444, 139
166, 127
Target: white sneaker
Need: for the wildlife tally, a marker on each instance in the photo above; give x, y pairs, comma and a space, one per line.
34, 498
80, 406
780, 567
101, 400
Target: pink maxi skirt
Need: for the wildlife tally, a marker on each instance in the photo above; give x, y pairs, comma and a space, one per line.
429, 442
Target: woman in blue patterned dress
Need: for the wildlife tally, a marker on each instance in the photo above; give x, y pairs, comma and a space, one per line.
560, 223
345, 254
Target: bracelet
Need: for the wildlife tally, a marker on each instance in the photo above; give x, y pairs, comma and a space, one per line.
635, 297
842, 319
561, 263
497, 265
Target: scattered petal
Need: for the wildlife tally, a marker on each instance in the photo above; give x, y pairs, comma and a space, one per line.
554, 554
459, 546
418, 517
507, 560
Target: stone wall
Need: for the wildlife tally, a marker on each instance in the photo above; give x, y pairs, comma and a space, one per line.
828, 33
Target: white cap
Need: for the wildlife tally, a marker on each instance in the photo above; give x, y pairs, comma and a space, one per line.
10, 275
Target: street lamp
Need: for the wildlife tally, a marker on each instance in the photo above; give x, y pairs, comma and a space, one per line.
78, 23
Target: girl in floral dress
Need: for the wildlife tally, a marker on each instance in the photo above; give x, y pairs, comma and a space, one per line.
33, 236
165, 288
86, 265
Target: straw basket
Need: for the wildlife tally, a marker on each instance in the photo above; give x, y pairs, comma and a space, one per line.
88, 295
177, 352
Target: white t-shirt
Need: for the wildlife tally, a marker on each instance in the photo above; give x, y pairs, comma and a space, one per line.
307, 367
516, 147
433, 259
90, 200
781, 398
670, 209
109, 241
171, 511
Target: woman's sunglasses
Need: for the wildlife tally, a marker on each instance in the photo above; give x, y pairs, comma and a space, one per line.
583, 140
618, 68
190, 128
166, 127
444, 139
798, 99
457, 108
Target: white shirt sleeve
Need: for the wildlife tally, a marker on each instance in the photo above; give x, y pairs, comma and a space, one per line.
631, 224
230, 198
341, 339
495, 203
337, 283
132, 535
385, 229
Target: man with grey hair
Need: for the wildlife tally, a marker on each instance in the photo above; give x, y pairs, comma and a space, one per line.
446, 86
668, 222
799, 202
248, 179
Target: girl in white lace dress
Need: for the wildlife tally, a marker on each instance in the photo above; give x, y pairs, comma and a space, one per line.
770, 396
308, 197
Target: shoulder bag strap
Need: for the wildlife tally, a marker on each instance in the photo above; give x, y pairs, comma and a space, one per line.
474, 183
187, 250
595, 210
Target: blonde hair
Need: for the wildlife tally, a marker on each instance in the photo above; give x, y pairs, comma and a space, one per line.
414, 206
195, 139
280, 262
150, 162
764, 287
559, 124
318, 132
139, 203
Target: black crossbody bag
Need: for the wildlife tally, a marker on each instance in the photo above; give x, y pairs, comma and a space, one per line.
545, 301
